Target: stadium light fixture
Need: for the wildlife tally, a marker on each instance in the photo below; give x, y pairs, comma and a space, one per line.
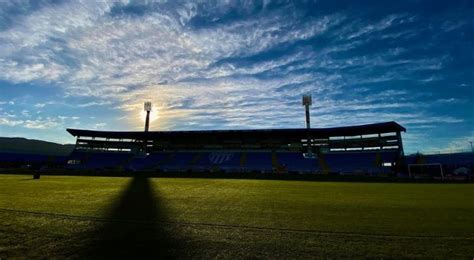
147, 106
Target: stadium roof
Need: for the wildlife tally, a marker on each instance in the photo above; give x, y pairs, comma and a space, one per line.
256, 133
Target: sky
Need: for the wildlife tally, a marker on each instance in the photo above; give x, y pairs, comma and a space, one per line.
238, 65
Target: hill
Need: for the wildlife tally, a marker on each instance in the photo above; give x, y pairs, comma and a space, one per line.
23, 145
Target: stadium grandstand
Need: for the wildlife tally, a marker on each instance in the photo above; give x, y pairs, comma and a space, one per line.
370, 150
366, 149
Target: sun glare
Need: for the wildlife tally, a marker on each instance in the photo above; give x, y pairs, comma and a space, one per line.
153, 115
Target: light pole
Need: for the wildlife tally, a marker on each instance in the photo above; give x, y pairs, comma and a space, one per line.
307, 101
147, 108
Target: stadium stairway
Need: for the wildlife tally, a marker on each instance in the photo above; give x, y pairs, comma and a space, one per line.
243, 160
277, 167
323, 164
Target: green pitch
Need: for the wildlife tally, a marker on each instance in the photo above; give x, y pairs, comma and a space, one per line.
78, 217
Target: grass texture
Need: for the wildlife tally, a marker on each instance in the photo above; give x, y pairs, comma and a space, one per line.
120, 217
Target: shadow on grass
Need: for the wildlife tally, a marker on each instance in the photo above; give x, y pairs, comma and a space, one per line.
136, 229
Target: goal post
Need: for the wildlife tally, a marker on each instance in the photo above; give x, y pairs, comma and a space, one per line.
425, 169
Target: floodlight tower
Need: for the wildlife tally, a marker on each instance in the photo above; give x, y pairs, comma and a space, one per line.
147, 108
307, 102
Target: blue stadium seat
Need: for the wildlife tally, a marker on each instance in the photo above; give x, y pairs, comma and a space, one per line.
226, 161
201, 162
99, 160
359, 162
296, 162
147, 162
259, 161
178, 161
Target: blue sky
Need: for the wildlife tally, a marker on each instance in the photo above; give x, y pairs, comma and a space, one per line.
238, 65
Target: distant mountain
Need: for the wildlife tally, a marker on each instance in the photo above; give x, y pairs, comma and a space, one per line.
23, 145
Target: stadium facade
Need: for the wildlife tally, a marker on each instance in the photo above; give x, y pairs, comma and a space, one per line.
364, 149
373, 149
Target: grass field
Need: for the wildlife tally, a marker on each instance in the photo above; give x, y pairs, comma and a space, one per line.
78, 217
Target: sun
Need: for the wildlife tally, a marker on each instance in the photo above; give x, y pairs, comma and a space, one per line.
153, 115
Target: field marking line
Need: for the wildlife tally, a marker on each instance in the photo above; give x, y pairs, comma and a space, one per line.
43, 234
227, 226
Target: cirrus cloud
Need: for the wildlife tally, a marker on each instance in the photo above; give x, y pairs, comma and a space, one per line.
242, 64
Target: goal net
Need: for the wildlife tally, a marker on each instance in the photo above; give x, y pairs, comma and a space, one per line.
426, 171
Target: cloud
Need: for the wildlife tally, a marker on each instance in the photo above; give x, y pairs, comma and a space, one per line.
359, 30
451, 144
46, 123
460, 143
114, 55
99, 126
7, 102
227, 65
25, 119
9, 122
25, 113
99, 103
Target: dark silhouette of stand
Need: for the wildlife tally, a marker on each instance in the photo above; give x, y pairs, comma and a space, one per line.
135, 229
